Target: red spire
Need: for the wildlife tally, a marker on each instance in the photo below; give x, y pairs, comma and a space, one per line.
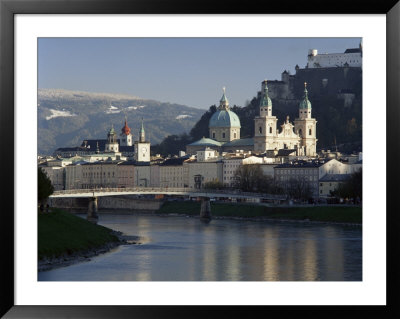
126, 130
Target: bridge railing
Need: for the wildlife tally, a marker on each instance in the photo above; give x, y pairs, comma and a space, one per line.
169, 190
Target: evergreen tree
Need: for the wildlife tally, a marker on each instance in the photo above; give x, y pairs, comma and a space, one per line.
45, 188
201, 128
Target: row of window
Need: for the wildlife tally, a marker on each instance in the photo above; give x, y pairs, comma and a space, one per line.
260, 130
229, 178
305, 178
223, 135
96, 174
296, 171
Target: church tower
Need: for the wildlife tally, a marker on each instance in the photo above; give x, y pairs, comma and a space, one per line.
305, 126
126, 136
265, 124
112, 143
142, 147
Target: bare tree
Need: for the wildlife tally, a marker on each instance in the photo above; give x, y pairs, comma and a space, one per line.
298, 188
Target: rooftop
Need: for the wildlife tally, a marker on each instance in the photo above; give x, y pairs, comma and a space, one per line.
302, 163
335, 178
174, 161
206, 142
240, 142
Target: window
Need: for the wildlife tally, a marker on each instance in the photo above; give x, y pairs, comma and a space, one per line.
260, 129
309, 132
234, 135
213, 134
270, 130
223, 135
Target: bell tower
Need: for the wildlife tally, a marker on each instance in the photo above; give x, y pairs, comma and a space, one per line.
305, 126
265, 124
126, 136
112, 143
142, 147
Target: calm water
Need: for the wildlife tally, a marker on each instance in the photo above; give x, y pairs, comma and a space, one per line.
185, 249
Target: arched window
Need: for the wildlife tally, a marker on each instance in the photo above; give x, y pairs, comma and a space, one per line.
213, 134
300, 132
260, 129
223, 135
270, 129
309, 132
234, 135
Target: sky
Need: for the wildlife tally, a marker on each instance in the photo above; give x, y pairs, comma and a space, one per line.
188, 71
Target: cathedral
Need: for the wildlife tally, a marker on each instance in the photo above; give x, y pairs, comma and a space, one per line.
224, 129
300, 136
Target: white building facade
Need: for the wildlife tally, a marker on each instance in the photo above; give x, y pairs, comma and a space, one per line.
351, 58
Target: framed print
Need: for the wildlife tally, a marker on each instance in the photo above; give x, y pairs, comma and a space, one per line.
36, 32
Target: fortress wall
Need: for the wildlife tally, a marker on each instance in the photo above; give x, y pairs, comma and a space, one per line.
337, 79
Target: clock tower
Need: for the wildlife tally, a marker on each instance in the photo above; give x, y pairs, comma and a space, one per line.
142, 147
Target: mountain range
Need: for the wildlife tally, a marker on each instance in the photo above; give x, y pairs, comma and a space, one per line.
66, 118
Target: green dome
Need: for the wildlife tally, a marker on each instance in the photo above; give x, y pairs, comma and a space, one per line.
224, 118
265, 100
305, 103
112, 131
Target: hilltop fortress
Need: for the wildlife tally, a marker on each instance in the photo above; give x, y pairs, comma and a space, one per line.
333, 74
337, 75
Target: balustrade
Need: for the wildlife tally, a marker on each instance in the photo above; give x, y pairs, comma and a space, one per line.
167, 190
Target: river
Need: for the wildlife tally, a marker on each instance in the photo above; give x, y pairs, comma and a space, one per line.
174, 248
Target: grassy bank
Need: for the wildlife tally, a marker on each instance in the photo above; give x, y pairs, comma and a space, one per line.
343, 214
62, 233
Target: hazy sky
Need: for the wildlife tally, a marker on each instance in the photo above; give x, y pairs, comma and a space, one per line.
189, 71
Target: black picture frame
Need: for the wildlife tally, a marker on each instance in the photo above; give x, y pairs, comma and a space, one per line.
8, 8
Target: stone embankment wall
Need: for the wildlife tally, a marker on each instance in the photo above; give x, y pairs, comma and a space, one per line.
108, 203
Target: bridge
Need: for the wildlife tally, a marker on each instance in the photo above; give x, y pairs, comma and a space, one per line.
204, 194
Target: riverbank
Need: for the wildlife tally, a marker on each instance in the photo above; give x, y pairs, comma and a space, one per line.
333, 214
64, 239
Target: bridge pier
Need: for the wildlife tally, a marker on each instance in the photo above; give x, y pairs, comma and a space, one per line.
92, 210
205, 208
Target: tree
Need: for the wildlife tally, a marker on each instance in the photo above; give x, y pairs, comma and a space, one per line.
299, 189
268, 185
216, 184
352, 188
45, 188
172, 144
248, 177
201, 127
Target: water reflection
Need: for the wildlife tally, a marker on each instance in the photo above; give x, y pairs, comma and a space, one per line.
185, 249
